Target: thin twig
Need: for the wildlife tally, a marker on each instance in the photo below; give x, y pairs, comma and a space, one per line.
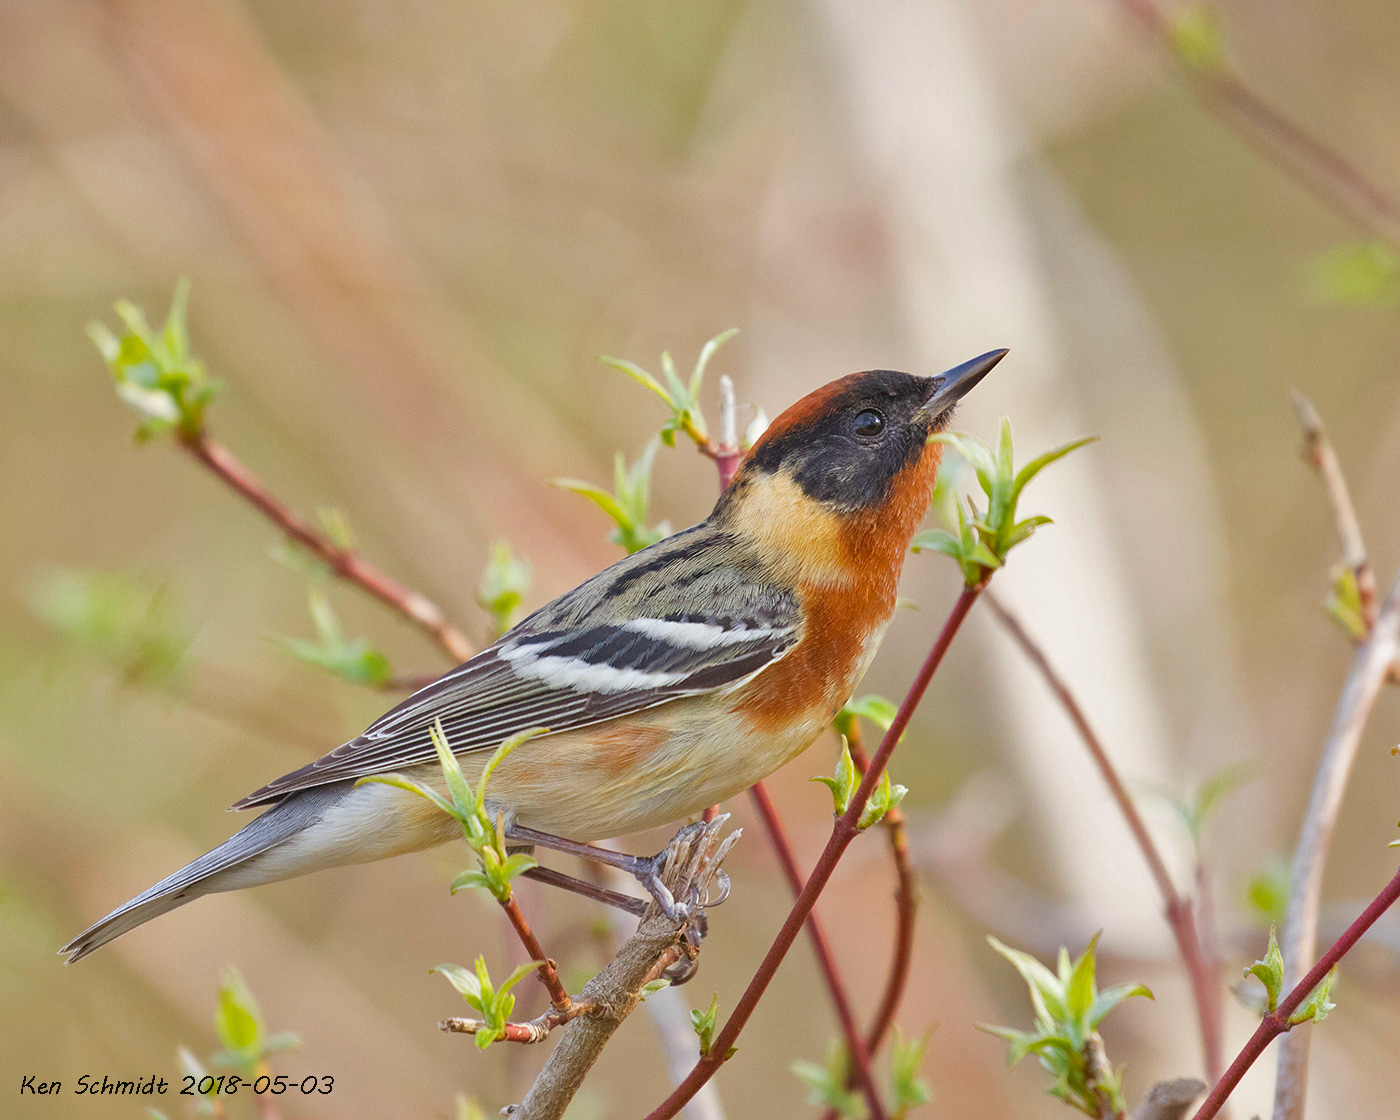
345, 563
1276, 1022
1322, 169
548, 972
1318, 451
1369, 669
1205, 980
535, 1030
855, 1045
906, 907
844, 831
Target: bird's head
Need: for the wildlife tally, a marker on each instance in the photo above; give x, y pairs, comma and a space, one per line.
845, 445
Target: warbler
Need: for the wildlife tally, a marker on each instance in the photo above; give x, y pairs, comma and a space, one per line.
668, 682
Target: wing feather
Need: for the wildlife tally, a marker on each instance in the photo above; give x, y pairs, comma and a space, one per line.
617, 644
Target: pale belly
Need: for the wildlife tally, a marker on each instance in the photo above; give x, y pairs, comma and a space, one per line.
661, 767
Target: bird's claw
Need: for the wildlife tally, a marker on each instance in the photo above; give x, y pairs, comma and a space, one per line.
695, 897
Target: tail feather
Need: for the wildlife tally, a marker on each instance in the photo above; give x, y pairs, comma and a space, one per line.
283, 821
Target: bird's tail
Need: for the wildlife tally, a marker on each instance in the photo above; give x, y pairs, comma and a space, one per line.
209, 873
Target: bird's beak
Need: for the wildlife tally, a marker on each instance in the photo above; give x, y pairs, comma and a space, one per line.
950, 387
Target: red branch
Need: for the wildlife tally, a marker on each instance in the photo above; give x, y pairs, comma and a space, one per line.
346, 563
1276, 1022
906, 906
1205, 981
855, 1046
844, 831
548, 973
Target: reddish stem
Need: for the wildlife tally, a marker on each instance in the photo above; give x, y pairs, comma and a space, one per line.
344, 562
1276, 1022
548, 973
844, 831
906, 907
855, 1046
1204, 977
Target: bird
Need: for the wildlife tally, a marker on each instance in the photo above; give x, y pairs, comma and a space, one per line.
674, 679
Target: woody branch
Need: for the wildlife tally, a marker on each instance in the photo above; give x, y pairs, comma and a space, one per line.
1372, 665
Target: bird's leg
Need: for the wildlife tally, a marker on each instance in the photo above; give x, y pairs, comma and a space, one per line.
634, 906
645, 869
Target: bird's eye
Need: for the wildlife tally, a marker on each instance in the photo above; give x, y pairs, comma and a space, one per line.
869, 424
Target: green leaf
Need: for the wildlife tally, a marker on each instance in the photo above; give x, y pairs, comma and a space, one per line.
1195, 38
937, 540
1268, 889
907, 1091
1081, 990
1319, 1004
706, 353
637, 374
154, 372
237, 1019
461, 793
981, 543
464, 980
503, 587
468, 880
399, 781
844, 783
119, 618
1363, 274
1040, 462
884, 798
1110, 998
628, 507
355, 661
876, 709
1344, 603
827, 1082
1269, 971
703, 1023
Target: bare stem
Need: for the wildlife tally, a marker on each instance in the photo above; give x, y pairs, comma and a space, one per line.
343, 562
535, 1030
844, 831
906, 907
1277, 1022
1369, 669
1322, 169
1204, 977
548, 973
836, 989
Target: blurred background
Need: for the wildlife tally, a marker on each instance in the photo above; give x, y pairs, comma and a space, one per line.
410, 228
